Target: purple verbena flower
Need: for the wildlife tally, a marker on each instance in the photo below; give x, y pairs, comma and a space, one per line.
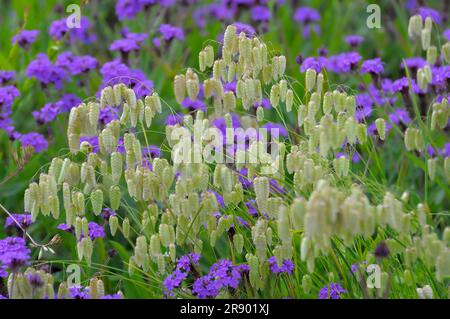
25, 38
354, 40
344, 62
45, 72
76, 64
95, 230
425, 12
170, 32
35, 140
14, 253
332, 291
316, 63
46, 114
7, 76
287, 266
20, 221
260, 13
373, 66
187, 261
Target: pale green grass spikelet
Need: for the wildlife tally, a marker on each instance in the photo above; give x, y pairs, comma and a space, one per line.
425, 38
381, 128
445, 52
275, 95
126, 227
113, 224
432, 55
179, 85
319, 84
97, 201
310, 79
431, 164
415, 26
289, 100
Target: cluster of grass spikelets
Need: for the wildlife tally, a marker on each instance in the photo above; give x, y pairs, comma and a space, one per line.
271, 218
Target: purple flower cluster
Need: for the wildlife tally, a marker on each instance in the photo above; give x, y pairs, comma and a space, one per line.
341, 63
6, 76
46, 72
372, 66
286, 267
76, 65
51, 110
260, 13
7, 96
22, 220
14, 253
94, 230
115, 72
130, 42
168, 33
344, 62
221, 275
128, 9
25, 38
35, 140
354, 40
308, 17
184, 267
79, 292
59, 28
332, 291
